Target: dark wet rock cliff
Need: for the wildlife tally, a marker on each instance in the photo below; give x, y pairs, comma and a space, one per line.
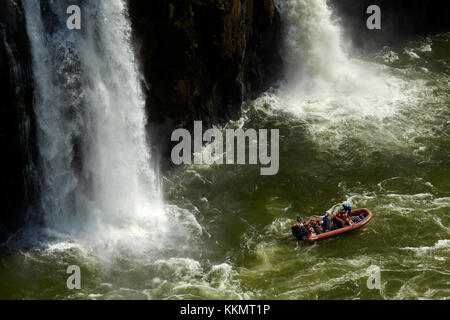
16, 117
202, 58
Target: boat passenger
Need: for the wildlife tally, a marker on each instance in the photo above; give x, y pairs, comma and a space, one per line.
326, 222
318, 227
315, 226
344, 219
347, 209
348, 221
311, 231
339, 219
299, 221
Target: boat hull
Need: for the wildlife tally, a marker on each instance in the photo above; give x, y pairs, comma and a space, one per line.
367, 217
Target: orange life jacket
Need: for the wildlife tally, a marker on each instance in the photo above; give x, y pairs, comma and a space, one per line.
318, 226
340, 218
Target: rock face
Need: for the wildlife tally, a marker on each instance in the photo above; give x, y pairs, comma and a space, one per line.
401, 20
202, 58
16, 123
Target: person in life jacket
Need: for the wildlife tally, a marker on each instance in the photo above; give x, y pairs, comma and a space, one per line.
347, 209
304, 226
299, 221
300, 229
348, 213
339, 219
326, 222
311, 231
344, 218
347, 219
317, 227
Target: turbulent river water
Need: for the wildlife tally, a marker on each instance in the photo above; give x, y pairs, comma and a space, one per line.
371, 130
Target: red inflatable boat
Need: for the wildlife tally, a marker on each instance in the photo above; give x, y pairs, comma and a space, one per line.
359, 217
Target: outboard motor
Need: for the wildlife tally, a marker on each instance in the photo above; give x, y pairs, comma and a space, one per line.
299, 232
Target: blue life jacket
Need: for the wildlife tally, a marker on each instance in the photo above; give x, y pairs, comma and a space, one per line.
325, 220
347, 208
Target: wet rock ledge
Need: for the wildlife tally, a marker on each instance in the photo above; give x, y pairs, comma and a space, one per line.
202, 58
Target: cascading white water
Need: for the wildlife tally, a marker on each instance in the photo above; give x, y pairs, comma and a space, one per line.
96, 168
313, 51
323, 83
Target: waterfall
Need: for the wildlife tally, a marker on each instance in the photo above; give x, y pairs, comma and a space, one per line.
95, 164
313, 47
315, 51
323, 80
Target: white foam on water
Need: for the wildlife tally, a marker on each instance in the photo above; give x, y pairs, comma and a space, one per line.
443, 244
